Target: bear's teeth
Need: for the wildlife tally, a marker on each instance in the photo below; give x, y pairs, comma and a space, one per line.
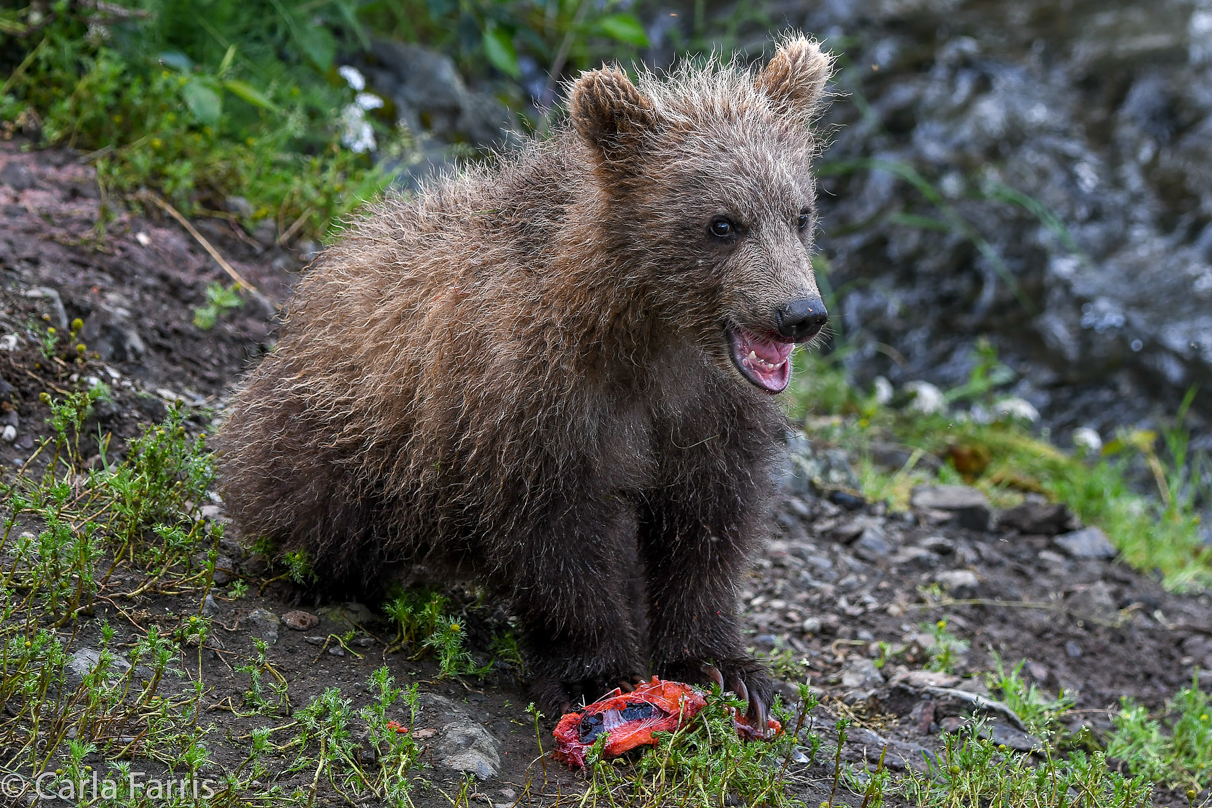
752, 355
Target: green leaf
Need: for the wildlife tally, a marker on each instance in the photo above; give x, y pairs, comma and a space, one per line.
498, 46
203, 101
249, 93
228, 58
176, 60
317, 45
623, 28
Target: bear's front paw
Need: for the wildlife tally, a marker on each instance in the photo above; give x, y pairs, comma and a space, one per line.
745, 677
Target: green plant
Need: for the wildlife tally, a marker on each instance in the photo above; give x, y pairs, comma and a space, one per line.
947, 647
239, 99
423, 626
220, 300
974, 771
1039, 713
1175, 749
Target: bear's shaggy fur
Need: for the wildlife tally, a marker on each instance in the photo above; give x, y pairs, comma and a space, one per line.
555, 372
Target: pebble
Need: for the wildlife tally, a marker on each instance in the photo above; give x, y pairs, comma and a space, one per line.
1094, 602
210, 608
811, 626
1013, 738
265, 624
1036, 518
959, 583
300, 620
873, 544
1089, 542
9, 434
1073, 650
860, 674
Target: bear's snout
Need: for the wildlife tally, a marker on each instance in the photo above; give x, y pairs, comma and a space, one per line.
800, 320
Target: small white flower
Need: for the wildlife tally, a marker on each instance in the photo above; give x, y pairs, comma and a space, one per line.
368, 101
1088, 439
927, 399
1017, 409
358, 135
883, 391
353, 77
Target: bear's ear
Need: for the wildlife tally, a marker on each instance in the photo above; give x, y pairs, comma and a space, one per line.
611, 114
795, 78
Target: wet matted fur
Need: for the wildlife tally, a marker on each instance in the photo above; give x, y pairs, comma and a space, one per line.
530, 375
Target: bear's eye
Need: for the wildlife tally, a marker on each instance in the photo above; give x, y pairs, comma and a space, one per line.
722, 228
803, 222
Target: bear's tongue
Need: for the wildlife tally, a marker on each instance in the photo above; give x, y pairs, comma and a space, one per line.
762, 361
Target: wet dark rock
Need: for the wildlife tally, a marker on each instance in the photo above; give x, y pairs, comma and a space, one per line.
1037, 518
966, 507
873, 543
1089, 542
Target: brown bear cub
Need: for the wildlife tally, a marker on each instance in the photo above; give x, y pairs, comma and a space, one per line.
555, 375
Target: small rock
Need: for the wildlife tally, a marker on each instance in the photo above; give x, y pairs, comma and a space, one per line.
336, 650
1094, 602
872, 544
1015, 739
109, 332
959, 583
811, 626
209, 607
16, 176
1073, 650
951, 724
918, 558
922, 716
8, 434
300, 620
85, 661
57, 312
9, 342
314, 640
1037, 518
919, 680
508, 795
224, 567
765, 641
939, 545
265, 624
348, 616
238, 205
265, 233
1089, 542
425, 734
968, 507
466, 746
861, 674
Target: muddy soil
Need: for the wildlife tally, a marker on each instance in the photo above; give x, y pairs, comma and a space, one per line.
842, 585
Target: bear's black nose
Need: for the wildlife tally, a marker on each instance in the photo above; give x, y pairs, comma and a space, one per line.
801, 319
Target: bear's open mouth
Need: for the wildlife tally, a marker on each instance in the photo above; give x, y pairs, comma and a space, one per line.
765, 362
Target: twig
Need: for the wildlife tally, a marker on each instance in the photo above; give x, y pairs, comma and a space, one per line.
206, 245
